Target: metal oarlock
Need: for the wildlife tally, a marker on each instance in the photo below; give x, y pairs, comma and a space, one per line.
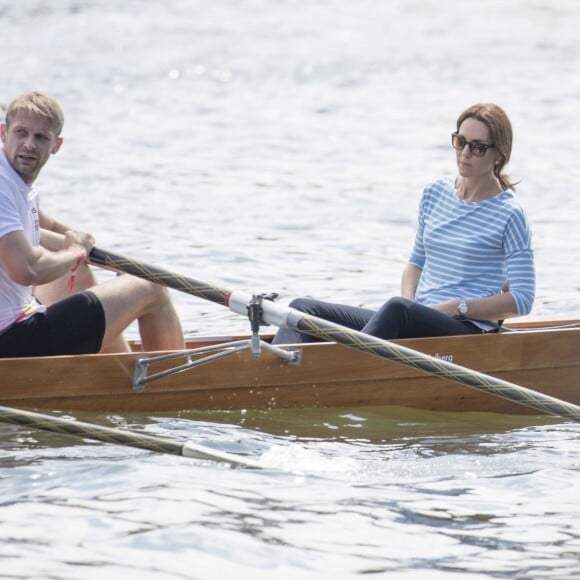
256, 317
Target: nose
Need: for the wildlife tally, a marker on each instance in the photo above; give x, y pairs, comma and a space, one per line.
464, 152
29, 143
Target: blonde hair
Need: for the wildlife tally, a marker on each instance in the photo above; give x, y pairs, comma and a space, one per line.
38, 104
501, 135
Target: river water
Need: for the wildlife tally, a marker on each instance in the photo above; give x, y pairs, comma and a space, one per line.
282, 146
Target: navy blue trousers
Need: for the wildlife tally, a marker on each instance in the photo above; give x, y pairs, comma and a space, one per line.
396, 318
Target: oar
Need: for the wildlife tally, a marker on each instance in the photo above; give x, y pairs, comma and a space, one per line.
118, 436
290, 318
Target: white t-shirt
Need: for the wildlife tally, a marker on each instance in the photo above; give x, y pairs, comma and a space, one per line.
18, 212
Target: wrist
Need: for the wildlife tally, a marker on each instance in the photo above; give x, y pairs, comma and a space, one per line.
79, 259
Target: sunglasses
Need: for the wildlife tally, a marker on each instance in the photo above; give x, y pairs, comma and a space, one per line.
477, 148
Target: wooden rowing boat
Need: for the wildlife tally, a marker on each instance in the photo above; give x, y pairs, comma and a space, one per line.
542, 356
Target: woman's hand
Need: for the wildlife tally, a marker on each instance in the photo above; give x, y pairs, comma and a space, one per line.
448, 307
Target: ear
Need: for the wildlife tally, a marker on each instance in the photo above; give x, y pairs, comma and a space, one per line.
57, 145
3, 132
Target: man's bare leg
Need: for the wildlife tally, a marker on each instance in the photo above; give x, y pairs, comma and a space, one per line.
126, 299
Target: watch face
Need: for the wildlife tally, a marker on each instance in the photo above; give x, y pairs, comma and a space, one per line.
462, 308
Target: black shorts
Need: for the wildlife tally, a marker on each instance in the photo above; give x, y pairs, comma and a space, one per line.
75, 325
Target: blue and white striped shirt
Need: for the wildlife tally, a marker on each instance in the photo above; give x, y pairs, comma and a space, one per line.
468, 249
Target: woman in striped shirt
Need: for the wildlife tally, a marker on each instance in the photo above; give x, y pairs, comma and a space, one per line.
472, 263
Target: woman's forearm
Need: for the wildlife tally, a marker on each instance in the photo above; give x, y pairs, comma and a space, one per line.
410, 281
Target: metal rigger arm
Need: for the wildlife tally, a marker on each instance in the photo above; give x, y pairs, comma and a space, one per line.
205, 354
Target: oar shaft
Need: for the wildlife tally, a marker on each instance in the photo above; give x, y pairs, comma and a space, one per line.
441, 368
160, 276
118, 436
332, 332
325, 330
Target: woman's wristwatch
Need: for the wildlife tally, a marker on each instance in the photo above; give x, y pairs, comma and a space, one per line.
462, 309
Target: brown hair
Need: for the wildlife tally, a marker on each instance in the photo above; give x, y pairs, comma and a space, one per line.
501, 135
38, 104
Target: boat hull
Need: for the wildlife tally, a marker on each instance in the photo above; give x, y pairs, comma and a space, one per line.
329, 375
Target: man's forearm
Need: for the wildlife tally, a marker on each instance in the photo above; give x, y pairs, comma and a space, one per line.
49, 223
51, 240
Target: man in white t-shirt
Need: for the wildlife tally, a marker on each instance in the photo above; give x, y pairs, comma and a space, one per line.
37, 250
